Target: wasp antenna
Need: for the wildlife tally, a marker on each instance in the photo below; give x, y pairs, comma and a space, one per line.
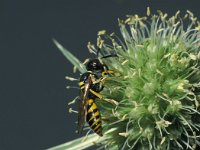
98, 51
111, 55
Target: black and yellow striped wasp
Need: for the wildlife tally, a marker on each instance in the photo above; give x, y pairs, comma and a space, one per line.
91, 86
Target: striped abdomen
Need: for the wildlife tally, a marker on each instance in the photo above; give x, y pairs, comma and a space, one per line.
93, 117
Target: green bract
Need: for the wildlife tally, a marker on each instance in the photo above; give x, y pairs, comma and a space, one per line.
152, 99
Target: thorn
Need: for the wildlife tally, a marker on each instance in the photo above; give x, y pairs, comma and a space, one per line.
70, 78
74, 69
72, 87
86, 61
125, 134
103, 32
163, 140
72, 111
112, 101
73, 101
124, 62
148, 11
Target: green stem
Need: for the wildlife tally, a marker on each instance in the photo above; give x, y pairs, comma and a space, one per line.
78, 144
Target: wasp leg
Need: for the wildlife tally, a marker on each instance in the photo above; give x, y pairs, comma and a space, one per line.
96, 94
111, 55
107, 72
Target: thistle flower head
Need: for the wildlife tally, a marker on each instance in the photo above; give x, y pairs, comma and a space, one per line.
151, 101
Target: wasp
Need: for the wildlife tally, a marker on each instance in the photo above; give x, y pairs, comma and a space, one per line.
91, 86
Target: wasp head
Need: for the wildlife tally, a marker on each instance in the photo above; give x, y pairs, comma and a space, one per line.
95, 65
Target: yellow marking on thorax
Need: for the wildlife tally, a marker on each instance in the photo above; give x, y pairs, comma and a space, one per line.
90, 101
81, 83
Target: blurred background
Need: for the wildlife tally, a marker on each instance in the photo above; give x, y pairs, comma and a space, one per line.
33, 96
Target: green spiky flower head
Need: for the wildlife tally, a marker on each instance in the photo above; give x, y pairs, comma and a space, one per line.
151, 101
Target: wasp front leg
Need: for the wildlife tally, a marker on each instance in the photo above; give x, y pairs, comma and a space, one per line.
107, 73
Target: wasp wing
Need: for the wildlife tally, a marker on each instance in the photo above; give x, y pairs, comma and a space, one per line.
81, 114
83, 105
